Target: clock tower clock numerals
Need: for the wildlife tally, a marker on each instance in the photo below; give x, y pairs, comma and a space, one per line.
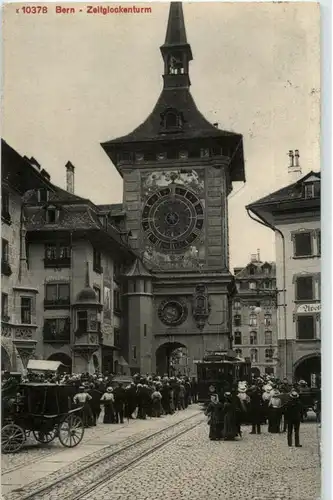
172, 218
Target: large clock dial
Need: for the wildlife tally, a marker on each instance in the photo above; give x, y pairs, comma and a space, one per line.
172, 218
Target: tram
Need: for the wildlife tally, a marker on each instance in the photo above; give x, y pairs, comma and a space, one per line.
220, 371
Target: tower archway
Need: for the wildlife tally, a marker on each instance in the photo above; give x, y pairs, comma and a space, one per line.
66, 361
167, 356
308, 368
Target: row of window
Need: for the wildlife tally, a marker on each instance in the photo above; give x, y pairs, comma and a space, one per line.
254, 285
55, 254
307, 243
171, 154
269, 353
238, 340
253, 320
55, 295
305, 289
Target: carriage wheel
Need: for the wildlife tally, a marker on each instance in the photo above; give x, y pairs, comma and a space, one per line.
71, 431
12, 438
45, 437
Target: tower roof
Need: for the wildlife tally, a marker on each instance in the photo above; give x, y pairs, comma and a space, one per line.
176, 33
176, 99
138, 270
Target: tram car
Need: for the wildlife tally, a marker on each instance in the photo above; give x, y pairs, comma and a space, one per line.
219, 371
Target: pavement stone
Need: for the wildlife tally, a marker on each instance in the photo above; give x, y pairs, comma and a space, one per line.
256, 467
28, 467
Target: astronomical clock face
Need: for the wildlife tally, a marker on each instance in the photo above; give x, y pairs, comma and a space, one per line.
172, 218
172, 312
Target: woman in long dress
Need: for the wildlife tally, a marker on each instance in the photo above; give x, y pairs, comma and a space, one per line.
215, 418
231, 428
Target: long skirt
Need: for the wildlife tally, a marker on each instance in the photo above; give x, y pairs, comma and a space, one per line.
216, 430
231, 427
157, 408
274, 420
108, 413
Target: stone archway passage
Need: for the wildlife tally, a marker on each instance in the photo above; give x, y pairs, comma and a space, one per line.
308, 368
163, 357
5, 360
64, 359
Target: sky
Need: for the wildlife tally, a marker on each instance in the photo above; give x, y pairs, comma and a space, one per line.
72, 81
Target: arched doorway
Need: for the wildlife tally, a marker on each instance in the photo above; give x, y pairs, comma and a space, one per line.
64, 359
308, 368
6, 365
168, 359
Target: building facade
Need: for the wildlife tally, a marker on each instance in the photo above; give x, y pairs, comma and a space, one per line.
139, 285
62, 272
177, 171
293, 213
255, 315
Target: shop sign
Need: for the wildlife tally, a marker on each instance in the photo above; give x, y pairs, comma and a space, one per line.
309, 308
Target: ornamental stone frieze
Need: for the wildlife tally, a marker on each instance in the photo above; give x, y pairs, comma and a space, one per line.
201, 307
25, 349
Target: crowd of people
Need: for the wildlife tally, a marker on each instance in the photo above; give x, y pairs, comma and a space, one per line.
144, 396
265, 400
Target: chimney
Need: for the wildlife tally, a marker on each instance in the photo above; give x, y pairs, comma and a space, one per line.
258, 254
70, 177
294, 168
296, 158
254, 257
291, 158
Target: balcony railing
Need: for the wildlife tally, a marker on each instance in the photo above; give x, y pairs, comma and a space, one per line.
57, 263
57, 303
55, 337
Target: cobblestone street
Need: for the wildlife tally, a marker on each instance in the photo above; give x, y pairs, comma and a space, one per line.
254, 468
188, 467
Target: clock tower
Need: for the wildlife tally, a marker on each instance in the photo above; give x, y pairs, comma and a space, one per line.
178, 171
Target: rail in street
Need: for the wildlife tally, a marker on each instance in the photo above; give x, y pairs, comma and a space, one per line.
81, 478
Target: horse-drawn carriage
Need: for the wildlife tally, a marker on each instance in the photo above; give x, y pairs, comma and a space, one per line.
41, 409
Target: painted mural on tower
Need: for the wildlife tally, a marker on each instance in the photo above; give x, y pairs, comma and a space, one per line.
177, 198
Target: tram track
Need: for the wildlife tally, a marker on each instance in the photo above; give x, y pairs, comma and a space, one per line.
81, 481
50, 453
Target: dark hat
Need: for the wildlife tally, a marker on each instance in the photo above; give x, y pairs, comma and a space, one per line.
294, 394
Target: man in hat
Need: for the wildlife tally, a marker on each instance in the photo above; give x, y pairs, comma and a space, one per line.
82, 398
293, 412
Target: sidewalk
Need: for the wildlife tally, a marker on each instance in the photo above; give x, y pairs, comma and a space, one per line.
36, 462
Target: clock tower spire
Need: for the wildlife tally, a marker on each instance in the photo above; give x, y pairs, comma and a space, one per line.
176, 52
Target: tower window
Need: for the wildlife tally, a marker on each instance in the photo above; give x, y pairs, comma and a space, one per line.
171, 120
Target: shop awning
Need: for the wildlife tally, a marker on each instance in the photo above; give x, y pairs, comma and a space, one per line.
41, 365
